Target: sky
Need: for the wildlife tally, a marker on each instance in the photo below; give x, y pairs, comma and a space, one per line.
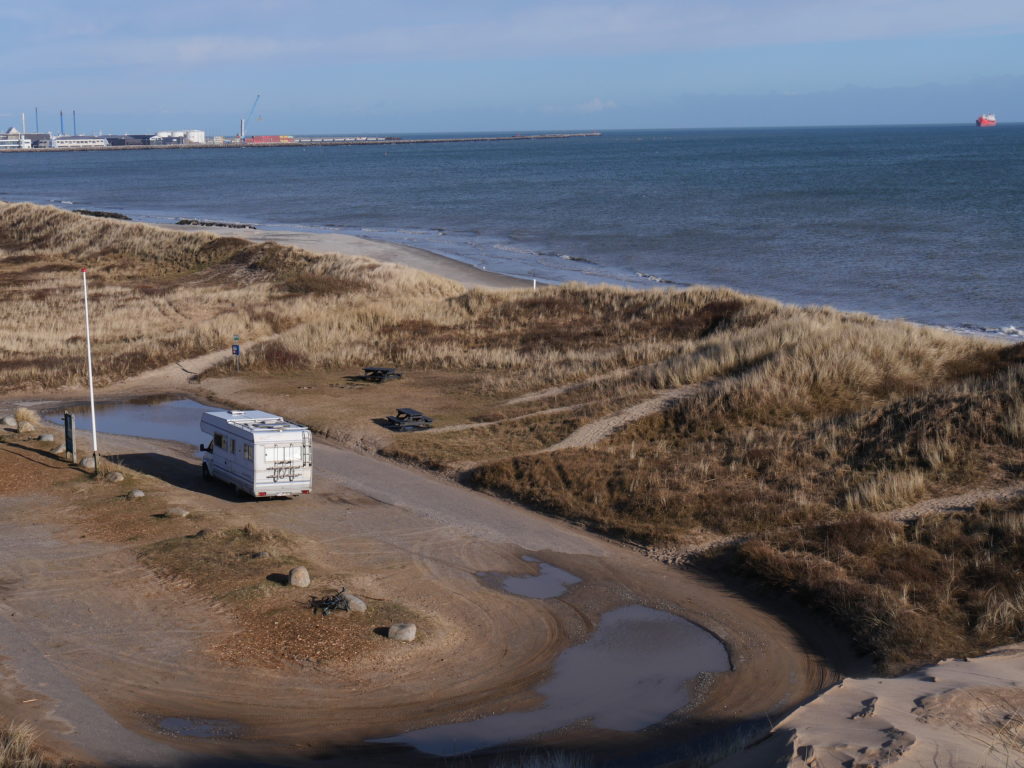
430, 66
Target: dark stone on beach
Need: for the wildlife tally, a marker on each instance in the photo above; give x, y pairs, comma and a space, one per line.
102, 214
201, 223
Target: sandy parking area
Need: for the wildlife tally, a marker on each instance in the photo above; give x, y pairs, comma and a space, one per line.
137, 648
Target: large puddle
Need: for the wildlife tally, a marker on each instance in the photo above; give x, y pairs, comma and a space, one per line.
633, 672
164, 419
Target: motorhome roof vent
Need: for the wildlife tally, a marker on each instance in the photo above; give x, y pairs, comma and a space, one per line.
237, 413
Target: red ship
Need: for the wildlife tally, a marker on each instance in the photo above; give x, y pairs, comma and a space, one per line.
984, 121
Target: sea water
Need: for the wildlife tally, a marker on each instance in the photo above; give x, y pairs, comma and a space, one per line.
920, 222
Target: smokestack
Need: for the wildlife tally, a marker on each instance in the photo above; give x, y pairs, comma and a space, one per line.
241, 128
23, 122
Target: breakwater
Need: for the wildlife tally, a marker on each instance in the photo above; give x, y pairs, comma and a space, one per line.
326, 141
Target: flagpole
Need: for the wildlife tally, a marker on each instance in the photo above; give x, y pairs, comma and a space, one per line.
92, 398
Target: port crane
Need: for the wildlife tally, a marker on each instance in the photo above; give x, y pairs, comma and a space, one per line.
241, 128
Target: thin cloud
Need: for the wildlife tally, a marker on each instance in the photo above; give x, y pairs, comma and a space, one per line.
596, 105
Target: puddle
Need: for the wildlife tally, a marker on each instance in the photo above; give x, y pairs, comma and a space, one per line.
160, 418
549, 582
631, 673
199, 728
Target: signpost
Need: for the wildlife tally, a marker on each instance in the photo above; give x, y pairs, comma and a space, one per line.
69, 436
236, 350
88, 354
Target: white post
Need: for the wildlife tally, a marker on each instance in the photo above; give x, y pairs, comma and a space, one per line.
88, 354
535, 283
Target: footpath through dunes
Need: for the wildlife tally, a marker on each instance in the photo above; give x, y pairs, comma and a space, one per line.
148, 645
595, 431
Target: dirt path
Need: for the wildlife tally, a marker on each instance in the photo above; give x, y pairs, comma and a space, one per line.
957, 503
596, 431
702, 543
135, 646
561, 389
477, 424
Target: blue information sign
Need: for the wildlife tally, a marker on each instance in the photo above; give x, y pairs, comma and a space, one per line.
236, 349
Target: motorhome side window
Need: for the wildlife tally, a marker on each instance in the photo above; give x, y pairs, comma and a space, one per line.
247, 452
232, 445
218, 440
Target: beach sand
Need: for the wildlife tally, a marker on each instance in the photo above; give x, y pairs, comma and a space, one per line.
330, 242
958, 712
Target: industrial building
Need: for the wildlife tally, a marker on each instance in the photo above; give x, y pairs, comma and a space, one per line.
78, 142
14, 139
178, 137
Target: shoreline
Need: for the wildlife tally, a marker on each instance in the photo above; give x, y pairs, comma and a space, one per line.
379, 250
472, 276
468, 275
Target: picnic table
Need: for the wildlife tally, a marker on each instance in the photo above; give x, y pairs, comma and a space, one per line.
378, 375
409, 418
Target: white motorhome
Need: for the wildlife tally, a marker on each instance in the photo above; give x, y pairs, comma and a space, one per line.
259, 453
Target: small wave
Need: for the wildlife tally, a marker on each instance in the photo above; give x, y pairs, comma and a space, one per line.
656, 279
567, 257
1010, 331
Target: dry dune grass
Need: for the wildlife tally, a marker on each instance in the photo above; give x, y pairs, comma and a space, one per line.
936, 587
805, 417
19, 748
158, 296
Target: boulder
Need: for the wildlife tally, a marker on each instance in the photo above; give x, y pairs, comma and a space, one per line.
404, 633
46, 437
9, 421
59, 449
87, 463
136, 494
298, 576
176, 512
114, 477
354, 604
